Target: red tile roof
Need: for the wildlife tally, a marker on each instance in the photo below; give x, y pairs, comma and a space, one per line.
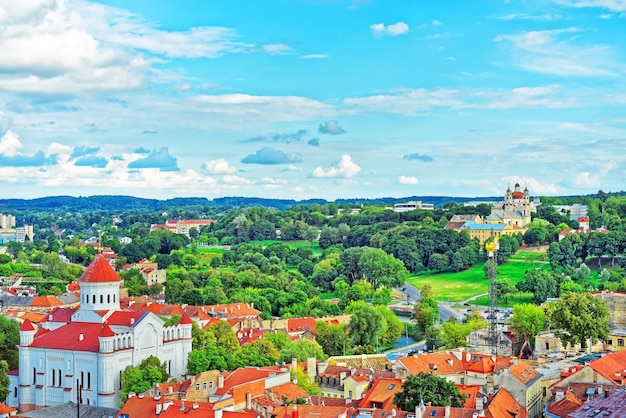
60, 315
68, 337
185, 320
107, 331
27, 326
504, 405
244, 375
146, 408
611, 366
5, 409
99, 271
301, 324
564, 406
381, 394
125, 318
524, 372
470, 392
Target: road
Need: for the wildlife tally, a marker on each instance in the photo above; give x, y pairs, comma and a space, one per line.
445, 310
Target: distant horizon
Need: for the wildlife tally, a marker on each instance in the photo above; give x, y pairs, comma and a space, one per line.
298, 99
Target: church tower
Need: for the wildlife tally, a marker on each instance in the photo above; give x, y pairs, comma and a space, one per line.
99, 291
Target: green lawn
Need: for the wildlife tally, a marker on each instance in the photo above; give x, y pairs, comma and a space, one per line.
522, 297
456, 287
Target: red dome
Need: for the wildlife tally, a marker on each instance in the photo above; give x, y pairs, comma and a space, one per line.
518, 195
99, 271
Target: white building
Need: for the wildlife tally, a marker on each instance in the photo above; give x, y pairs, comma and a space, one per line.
91, 346
412, 205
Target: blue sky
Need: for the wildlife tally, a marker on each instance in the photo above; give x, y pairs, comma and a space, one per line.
311, 98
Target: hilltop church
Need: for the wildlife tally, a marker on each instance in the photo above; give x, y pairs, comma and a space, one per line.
89, 347
516, 209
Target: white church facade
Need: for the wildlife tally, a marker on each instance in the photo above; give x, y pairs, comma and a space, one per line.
89, 347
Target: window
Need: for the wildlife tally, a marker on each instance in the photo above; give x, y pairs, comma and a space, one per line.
609, 341
34, 375
15, 392
82, 379
210, 385
59, 372
350, 394
108, 298
620, 342
197, 386
391, 386
101, 298
54, 375
93, 299
204, 386
547, 345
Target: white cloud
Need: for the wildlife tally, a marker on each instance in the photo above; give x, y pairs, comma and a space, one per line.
344, 168
292, 167
612, 5
219, 166
436, 23
534, 186
411, 180
558, 52
10, 144
232, 179
398, 28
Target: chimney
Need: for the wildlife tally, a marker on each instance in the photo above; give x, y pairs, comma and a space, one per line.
446, 413
220, 381
159, 408
132, 321
195, 405
248, 400
295, 413
513, 360
606, 394
311, 368
217, 413
480, 402
559, 395
419, 410
81, 336
294, 364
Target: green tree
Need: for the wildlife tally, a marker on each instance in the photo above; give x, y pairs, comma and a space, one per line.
365, 326
428, 388
333, 338
9, 339
4, 380
504, 289
540, 283
579, 317
527, 321
382, 269
438, 262
302, 379
425, 311
225, 337
382, 296
302, 349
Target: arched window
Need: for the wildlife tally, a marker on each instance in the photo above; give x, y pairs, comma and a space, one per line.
54, 375
88, 382
101, 298
93, 299
34, 375
108, 298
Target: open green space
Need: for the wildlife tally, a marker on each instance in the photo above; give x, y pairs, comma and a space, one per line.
517, 298
456, 287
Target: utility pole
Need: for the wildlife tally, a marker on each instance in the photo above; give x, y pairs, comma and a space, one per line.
492, 271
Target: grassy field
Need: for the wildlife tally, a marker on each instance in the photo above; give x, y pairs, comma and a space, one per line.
456, 287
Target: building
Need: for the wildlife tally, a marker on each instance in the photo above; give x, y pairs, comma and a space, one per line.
24, 232
610, 404
412, 205
490, 230
89, 347
182, 226
515, 210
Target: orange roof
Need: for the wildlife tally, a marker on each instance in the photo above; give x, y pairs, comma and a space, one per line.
146, 407
99, 271
301, 324
244, 375
564, 406
305, 411
611, 366
439, 411
34, 317
185, 320
5, 409
381, 394
504, 405
524, 373
470, 392
437, 363
289, 391
46, 301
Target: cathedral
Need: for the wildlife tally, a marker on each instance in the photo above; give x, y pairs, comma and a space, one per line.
515, 210
80, 353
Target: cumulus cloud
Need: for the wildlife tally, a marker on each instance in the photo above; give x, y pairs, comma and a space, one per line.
91, 161
410, 180
219, 166
141, 150
534, 186
398, 28
417, 156
36, 160
232, 179
314, 142
271, 156
345, 168
80, 48
10, 144
331, 127
82, 150
160, 159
